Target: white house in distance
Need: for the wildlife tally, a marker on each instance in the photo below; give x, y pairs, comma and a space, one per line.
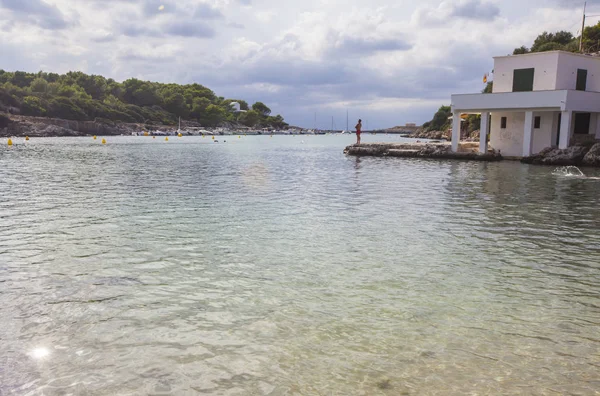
539, 100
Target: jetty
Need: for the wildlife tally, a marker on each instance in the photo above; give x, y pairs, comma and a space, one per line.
438, 150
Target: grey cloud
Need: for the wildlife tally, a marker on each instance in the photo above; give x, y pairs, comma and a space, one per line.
205, 11
363, 46
475, 9
134, 30
37, 12
190, 29
236, 25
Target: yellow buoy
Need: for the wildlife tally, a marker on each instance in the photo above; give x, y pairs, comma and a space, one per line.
103, 141
94, 137
166, 138
179, 135
153, 137
10, 142
26, 137
239, 137
145, 133
213, 138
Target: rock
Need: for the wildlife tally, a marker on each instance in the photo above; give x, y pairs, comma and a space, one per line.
592, 158
416, 150
571, 156
537, 158
53, 130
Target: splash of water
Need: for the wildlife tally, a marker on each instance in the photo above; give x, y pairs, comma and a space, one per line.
568, 171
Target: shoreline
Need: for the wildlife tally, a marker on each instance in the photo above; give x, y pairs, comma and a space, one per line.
434, 150
585, 155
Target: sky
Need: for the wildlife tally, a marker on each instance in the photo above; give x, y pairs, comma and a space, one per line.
389, 62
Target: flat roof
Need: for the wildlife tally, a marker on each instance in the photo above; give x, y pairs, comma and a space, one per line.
550, 52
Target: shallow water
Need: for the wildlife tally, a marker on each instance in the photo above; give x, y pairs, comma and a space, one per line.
280, 266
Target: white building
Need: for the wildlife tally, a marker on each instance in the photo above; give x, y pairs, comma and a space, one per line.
539, 100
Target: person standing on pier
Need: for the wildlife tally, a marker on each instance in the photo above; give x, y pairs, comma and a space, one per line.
358, 130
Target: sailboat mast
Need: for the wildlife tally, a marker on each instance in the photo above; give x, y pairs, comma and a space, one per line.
347, 121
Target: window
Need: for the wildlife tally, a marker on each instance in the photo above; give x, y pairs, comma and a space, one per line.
503, 122
537, 122
523, 80
581, 79
582, 123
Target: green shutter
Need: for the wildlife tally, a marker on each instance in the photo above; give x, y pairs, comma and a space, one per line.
523, 80
581, 79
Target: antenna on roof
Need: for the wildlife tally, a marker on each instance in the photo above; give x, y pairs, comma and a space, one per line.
582, 29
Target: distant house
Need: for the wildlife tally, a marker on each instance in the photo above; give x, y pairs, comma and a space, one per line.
539, 100
236, 107
410, 124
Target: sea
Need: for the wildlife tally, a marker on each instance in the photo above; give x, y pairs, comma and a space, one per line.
258, 265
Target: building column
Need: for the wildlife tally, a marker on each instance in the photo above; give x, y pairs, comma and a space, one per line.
455, 130
528, 134
593, 124
565, 129
483, 132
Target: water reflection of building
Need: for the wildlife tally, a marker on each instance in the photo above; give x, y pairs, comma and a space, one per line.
539, 100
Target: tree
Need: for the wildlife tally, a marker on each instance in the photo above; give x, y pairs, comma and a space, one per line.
521, 50
22, 79
440, 120
175, 103
489, 88
39, 85
591, 38
213, 115
261, 109
78, 96
250, 118
33, 106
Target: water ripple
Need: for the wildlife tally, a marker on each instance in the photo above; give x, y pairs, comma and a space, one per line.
271, 266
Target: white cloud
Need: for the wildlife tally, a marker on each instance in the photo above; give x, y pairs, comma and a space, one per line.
394, 62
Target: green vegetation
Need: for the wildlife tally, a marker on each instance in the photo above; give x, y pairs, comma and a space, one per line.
78, 96
564, 41
440, 121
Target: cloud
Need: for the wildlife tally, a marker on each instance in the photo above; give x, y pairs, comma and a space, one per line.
448, 11
475, 9
190, 29
389, 63
205, 11
37, 12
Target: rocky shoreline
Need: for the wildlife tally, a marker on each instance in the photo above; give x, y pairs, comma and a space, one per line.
20, 126
584, 154
14, 125
421, 150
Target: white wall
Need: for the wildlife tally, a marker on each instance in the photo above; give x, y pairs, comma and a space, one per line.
542, 137
567, 71
544, 63
508, 141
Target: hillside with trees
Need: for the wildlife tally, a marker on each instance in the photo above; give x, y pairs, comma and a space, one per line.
82, 97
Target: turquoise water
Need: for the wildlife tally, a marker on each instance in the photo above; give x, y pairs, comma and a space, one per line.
279, 266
